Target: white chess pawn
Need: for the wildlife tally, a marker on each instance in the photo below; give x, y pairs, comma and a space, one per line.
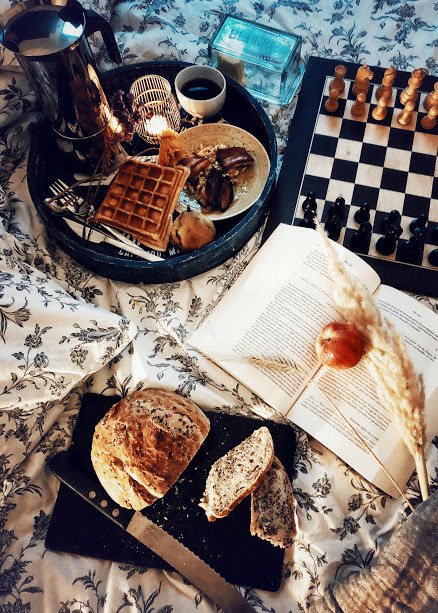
432, 98
331, 105
359, 108
405, 117
379, 112
429, 121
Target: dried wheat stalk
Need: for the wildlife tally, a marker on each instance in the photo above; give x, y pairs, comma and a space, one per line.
399, 387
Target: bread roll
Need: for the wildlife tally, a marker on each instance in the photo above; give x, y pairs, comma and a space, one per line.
236, 474
143, 444
273, 508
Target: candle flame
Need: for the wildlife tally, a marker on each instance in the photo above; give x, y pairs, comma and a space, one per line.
156, 125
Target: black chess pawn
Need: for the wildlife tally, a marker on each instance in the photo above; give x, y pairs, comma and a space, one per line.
433, 238
333, 227
420, 222
392, 218
394, 229
387, 244
308, 220
433, 257
362, 215
420, 233
309, 207
413, 247
309, 203
360, 239
337, 208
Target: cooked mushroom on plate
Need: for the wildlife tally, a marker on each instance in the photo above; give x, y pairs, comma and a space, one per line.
212, 171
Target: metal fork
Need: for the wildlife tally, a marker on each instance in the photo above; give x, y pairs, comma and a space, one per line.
76, 202
70, 203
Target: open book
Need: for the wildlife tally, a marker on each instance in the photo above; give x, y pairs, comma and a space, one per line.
276, 309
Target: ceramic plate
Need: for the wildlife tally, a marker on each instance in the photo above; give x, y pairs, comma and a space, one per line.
249, 186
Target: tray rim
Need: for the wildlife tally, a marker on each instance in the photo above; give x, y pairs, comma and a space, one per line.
175, 268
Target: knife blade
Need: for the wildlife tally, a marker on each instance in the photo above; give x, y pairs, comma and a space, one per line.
96, 236
195, 570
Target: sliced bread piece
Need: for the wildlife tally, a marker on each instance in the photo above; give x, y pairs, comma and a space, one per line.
236, 474
272, 507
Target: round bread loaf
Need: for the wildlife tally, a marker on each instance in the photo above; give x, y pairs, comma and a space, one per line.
143, 444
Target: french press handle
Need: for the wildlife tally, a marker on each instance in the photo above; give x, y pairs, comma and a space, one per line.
96, 23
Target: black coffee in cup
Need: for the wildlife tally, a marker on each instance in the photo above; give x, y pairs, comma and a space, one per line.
200, 89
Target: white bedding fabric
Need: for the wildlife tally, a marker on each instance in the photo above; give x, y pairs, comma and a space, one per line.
343, 520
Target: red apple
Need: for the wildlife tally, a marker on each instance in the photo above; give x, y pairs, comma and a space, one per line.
339, 345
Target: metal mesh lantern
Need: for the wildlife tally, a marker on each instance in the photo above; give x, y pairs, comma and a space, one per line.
157, 105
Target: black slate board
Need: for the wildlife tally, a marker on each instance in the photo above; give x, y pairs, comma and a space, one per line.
226, 544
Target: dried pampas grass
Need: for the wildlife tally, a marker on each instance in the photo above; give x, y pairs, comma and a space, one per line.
399, 387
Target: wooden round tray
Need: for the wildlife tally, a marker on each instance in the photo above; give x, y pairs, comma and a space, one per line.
45, 165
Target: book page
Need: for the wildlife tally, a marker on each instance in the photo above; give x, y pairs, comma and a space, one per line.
274, 311
354, 393
416, 323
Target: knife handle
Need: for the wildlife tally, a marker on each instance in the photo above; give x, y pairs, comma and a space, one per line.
89, 488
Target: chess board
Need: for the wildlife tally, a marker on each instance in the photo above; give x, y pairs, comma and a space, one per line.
387, 165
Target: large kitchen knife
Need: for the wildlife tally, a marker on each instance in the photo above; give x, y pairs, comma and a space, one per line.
150, 534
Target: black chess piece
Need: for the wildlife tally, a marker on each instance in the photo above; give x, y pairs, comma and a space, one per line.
420, 233
433, 257
309, 207
394, 229
392, 218
337, 208
309, 203
387, 244
433, 238
362, 215
308, 220
333, 227
412, 248
420, 222
360, 239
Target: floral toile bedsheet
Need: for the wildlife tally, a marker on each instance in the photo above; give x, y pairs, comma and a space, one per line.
65, 331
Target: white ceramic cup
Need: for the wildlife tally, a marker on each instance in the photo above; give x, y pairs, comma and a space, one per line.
200, 108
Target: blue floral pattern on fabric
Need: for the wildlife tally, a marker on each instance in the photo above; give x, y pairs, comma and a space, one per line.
343, 520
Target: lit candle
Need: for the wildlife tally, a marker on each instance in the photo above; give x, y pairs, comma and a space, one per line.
156, 125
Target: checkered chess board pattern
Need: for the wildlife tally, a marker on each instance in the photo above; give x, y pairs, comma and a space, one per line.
388, 165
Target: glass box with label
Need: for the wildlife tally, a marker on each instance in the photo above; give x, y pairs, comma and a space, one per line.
264, 60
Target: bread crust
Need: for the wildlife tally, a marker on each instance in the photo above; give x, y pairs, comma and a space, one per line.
237, 473
143, 444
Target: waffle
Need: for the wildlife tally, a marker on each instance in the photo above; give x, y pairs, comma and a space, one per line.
141, 200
